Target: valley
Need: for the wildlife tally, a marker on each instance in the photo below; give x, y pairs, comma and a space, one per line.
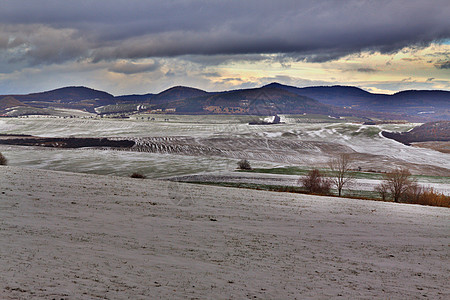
192, 148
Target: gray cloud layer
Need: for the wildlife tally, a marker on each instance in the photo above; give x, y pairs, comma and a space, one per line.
53, 31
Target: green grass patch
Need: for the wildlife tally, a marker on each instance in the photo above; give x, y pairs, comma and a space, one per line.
253, 186
279, 170
354, 194
360, 194
367, 132
291, 170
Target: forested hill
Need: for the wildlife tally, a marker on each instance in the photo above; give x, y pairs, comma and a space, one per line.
433, 131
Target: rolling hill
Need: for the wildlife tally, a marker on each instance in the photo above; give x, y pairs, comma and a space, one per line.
177, 93
171, 94
259, 101
274, 98
9, 102
75, 97
422, 103
433, 131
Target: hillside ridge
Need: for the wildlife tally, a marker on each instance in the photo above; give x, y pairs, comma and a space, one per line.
337, 100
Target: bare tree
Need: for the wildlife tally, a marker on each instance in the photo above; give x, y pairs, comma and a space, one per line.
383, 190
398, 183
341, 174
314, 182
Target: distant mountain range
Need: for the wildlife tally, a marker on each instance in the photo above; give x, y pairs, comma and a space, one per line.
411, 102
271, 99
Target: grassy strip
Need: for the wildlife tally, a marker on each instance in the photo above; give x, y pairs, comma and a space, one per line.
355, 194
358, 175
434, 199
253, 186
278, 170
304, 171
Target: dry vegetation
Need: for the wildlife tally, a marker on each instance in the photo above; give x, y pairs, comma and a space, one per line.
138, 175
244, 165
427, 197
314, 182
399, 186
3, 160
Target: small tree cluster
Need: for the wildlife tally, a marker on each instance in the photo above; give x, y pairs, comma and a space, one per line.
397, 184
315, 182
244, 165
3, 160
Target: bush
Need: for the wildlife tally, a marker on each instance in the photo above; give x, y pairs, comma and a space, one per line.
138, 175
244, 165
3, 160
314, 182
429, 197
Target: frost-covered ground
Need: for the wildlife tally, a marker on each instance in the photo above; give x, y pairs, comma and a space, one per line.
78, 236
439, 185
229, 137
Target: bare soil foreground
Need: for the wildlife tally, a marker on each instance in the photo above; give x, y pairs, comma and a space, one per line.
76, 236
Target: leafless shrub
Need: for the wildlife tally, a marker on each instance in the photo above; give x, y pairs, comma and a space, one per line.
430, 197
315, 182
138, 175
383, 190
3, 160
412, 194
244, 165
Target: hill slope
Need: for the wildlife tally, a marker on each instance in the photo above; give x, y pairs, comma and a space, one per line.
433, 104
76, 97
274, 98
9, 102
259, 101
177, 93
75, 236
433, 131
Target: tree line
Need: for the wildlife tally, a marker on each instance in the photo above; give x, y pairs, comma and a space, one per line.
397, 185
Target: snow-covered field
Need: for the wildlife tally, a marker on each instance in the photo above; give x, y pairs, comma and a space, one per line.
85, 236
78, 236
358, 184
293, 143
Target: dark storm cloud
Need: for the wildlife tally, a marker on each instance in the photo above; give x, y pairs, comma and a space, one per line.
51, 31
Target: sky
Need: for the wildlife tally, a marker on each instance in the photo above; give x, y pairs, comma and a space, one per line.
137, 47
